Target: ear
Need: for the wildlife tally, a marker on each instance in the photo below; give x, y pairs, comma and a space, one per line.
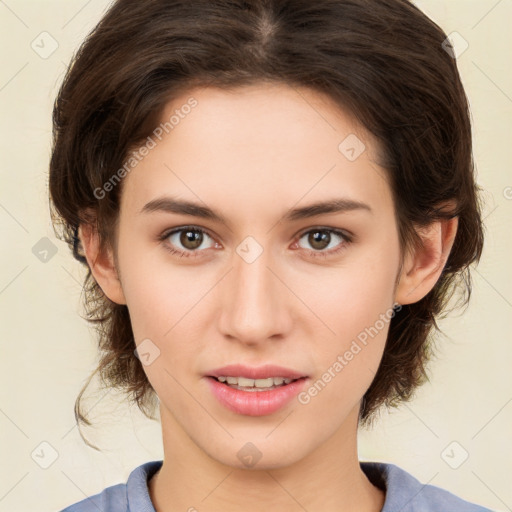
102, 265
423, 266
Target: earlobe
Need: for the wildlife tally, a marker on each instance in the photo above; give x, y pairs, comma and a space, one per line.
424, 265
102, 265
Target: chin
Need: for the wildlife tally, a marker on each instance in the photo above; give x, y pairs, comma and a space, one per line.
258, 454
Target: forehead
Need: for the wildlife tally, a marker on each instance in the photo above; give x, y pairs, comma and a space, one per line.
256, 146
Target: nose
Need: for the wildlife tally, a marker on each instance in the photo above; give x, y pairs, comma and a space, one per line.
255, 302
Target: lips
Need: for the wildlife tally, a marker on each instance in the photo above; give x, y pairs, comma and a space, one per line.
254, 401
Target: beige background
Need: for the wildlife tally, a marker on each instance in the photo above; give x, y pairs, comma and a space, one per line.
47, 350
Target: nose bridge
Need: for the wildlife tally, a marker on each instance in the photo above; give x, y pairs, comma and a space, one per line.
253, 304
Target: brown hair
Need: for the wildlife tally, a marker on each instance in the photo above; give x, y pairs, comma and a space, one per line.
382, 60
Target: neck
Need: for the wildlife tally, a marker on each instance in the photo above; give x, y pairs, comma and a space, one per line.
329, 478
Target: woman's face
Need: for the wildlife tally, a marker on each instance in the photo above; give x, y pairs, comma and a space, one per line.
310, 292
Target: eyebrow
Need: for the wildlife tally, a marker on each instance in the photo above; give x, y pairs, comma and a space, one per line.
184, 207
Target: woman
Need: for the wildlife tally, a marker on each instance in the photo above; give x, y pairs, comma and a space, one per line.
275, 201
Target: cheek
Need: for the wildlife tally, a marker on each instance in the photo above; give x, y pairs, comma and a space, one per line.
348, 360
164, 302
355, 306
156, 291
353, 296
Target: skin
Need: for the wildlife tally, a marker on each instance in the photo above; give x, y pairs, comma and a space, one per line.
251, 154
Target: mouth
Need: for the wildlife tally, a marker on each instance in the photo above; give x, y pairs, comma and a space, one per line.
255, 391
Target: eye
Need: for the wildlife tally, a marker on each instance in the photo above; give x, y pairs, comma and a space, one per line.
321, 238
189, 237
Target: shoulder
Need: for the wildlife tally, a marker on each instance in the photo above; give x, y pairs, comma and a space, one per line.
123, 497
111, 499
407, 494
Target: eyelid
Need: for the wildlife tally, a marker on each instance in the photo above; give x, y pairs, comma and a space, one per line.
342, 232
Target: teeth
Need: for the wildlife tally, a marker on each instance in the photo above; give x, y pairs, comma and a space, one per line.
258, 383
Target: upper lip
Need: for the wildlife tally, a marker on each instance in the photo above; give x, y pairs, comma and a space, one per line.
253, 372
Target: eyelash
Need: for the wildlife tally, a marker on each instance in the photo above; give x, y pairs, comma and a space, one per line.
316, 254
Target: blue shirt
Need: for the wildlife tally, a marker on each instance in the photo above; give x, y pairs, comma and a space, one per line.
404, 493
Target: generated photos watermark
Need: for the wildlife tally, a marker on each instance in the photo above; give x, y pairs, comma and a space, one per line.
304, 397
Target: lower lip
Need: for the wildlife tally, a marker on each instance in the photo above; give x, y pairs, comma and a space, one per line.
255, 403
